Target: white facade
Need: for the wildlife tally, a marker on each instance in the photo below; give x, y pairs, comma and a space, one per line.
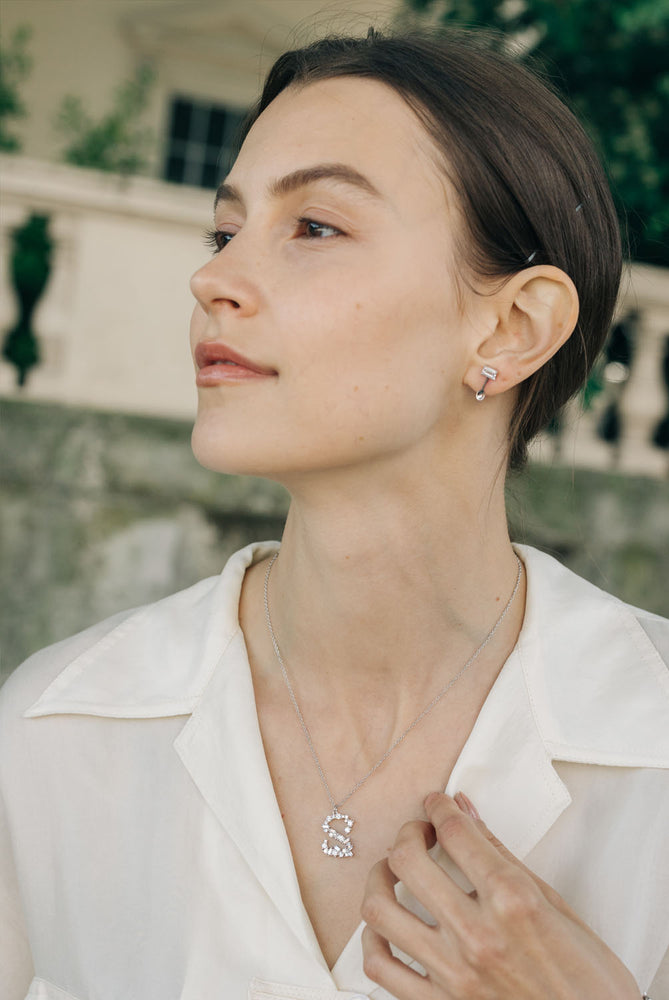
209, 49
113, 321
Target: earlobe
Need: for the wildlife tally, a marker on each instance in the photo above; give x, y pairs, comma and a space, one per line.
535, 312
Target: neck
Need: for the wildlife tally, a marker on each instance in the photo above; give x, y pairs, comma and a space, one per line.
378, 602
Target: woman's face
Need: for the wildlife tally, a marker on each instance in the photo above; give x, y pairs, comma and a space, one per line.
335, 279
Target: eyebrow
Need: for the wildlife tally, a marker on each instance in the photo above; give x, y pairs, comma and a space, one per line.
301, 178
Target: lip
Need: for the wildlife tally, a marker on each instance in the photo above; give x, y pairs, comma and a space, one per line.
219, 364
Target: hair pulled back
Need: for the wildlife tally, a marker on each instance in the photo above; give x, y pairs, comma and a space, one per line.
531, 188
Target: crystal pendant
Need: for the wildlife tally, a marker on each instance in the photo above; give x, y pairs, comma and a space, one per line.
336, 844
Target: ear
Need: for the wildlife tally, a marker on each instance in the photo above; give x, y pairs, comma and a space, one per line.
527, 321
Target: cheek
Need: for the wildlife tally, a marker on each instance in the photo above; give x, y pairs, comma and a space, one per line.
198, 321
376, 367
395, 332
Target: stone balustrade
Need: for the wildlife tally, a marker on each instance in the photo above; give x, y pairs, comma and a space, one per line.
637, 394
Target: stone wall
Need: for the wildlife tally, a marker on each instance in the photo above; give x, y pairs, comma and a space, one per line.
102, 511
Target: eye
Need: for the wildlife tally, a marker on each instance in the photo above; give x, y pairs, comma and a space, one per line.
216, 239
311, 229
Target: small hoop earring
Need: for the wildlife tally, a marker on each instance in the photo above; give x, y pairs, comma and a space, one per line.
489, 374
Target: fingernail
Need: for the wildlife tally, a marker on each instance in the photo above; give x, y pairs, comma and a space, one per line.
429, 799
466, 805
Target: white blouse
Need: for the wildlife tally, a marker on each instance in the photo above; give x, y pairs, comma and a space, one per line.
142, 851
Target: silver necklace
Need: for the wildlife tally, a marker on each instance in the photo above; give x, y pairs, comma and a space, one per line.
337, 843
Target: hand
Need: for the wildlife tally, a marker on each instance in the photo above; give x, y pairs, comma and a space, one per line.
513, 938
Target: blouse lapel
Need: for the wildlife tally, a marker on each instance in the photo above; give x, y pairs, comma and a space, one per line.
584, 684
221, 747
505, 768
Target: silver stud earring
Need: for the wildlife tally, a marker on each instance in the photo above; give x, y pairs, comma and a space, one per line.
489, 374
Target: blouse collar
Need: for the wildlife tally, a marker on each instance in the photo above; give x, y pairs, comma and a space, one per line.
587, 678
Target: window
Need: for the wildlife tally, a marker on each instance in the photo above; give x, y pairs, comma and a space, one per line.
200, 142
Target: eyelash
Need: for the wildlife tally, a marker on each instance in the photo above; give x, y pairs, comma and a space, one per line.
217, 239
214, 239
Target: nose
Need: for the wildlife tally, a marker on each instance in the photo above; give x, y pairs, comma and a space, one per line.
220, 284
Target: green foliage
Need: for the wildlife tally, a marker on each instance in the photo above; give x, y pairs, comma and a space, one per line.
30, 267
117, 142
15, 64
609, 59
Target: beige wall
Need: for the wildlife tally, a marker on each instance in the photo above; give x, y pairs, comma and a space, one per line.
113, 321
217, 50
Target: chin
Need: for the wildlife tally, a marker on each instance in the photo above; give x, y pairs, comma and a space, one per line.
222, 452
219, 447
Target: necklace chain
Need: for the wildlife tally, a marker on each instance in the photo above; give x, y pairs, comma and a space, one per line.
419, 718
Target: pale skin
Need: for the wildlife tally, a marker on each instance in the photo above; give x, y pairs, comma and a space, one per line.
396, 545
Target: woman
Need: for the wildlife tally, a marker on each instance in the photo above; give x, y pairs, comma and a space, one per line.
416, 261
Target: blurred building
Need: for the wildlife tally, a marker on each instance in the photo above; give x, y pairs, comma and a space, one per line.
210, 57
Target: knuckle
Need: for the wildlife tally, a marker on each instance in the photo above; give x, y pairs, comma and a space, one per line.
515, 897
496, 842
372, 965
373, 908
450, 826
486, 948
401, 856
410, 830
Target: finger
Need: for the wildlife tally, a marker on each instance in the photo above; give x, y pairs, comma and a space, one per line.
553, 897
464, 840
391, 973
427, 881
466, 806
383, 913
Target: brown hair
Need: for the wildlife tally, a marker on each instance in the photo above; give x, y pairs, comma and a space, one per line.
531, 188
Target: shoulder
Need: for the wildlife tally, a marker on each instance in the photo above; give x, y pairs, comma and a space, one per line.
29, 680
596, 669
558, 594
150, 661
